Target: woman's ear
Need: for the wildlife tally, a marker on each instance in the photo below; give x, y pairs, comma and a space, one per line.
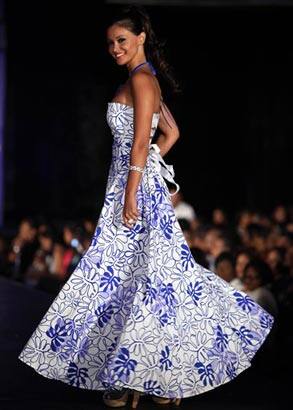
142, 37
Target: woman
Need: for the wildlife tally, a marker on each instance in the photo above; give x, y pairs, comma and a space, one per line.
139, 315
257, 276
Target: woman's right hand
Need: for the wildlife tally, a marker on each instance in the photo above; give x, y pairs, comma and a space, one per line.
130, 212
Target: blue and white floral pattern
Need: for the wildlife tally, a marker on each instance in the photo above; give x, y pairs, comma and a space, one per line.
139, 311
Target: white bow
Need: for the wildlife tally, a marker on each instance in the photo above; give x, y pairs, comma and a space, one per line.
167, 171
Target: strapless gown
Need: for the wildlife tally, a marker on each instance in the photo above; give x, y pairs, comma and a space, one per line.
138, 311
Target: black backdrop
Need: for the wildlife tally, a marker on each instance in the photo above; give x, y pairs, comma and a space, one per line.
235, 112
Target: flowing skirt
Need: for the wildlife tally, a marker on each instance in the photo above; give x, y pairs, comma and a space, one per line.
140, 312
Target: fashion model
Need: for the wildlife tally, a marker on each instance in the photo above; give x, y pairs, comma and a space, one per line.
139, 316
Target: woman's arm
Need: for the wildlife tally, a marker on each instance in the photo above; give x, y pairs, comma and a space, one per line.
143, 94
169, 130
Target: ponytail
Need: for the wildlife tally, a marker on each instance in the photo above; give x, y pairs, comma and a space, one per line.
135, 19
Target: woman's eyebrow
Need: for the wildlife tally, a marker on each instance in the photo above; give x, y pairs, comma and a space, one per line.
117, 37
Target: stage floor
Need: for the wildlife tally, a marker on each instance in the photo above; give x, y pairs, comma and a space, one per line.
260, 387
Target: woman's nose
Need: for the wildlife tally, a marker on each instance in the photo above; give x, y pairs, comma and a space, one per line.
116, 48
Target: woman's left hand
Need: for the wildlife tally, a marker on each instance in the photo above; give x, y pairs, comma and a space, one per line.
130, 212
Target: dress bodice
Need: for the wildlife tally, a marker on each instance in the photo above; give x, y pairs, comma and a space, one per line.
120, 121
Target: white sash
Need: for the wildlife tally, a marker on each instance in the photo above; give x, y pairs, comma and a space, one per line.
167, 171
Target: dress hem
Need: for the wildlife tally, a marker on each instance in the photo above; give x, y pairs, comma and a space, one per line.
125, 385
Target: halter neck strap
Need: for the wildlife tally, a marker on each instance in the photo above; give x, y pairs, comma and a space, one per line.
141, 64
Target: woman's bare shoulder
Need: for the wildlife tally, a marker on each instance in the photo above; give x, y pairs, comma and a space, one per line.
142, 81
144, 87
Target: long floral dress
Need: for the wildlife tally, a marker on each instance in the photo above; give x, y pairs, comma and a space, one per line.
138, 311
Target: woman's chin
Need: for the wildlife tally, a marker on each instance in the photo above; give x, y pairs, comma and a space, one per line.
120, 60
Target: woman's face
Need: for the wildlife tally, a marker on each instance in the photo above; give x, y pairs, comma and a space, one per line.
280, 214
218, 216
241, 262
123, 45
46, 243
67, 235
251, 279
245, 219
273, 258
225, 270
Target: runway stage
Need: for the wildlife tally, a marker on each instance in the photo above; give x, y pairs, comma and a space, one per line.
260, 387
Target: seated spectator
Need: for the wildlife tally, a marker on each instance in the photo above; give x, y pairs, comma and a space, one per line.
281, 285
89, 225
284, 240
280, 218
275, 259
216, 242
43, 262
225, 266
198, 238
256, 278
243, 257
86, 241
72, 237
258, 238
23, 248
289, 257
243, 219
182, 209
261, 219
219, 218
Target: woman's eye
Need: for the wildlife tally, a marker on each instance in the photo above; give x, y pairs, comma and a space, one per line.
121, 40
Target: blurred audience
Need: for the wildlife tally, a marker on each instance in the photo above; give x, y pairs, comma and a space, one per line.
253, 252
44, 256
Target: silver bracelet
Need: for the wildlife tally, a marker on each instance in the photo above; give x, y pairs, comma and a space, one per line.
135, 168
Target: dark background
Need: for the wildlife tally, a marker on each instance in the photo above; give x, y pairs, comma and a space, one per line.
235, 112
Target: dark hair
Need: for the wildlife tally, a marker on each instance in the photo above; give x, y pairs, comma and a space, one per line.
135, 19
225, 256
262, 270
258, 230
249, 252
29, 220
46, 234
